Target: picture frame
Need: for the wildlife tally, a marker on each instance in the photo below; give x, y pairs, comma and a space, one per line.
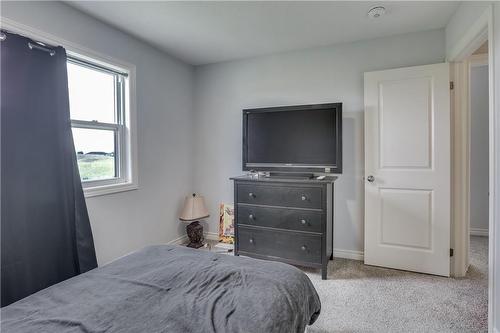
226, 223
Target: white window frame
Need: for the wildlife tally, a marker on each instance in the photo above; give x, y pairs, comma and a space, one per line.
125, 158
118, 127
128, 158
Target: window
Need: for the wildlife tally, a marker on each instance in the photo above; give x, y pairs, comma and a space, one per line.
98, 107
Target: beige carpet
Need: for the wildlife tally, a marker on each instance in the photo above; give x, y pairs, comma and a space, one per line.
359, 298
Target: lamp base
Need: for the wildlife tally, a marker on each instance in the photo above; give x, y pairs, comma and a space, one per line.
194, 231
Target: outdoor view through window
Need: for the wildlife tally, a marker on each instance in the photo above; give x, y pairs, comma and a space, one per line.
95, 117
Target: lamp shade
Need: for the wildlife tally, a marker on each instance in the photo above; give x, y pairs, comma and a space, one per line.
194, 208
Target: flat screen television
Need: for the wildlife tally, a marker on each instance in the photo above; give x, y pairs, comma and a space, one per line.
302, 138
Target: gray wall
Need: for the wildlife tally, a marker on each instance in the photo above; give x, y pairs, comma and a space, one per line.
479, 164
328, 74
124, 222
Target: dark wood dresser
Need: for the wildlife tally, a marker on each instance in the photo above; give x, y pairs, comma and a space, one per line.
285, 219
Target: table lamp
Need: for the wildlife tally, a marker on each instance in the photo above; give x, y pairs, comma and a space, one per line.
194, 209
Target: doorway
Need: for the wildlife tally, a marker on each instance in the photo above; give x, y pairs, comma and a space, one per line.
479, 142
460, 58
479, 158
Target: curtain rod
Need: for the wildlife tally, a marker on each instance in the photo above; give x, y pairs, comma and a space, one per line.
41, 48
34, 45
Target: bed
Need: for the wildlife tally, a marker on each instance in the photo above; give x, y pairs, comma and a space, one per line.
172, 289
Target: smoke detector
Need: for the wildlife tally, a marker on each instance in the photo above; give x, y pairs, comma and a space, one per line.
376, 12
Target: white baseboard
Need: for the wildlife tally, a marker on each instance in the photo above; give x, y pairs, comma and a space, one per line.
348, 254
211, 235
184, 238
179, 240
479, 232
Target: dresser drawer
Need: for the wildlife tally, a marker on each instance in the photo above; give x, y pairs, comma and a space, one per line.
276, 195
282, 244
283, 218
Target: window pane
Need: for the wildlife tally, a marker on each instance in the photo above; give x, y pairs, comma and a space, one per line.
95, 151
91, 94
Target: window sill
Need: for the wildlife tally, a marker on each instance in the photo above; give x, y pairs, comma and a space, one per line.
96, 191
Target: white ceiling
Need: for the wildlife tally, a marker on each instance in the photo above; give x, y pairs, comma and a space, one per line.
208, 32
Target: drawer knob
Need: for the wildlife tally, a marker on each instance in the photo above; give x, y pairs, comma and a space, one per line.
251, 195
304, 198
303, 248
251, 217
303, 222
251, 240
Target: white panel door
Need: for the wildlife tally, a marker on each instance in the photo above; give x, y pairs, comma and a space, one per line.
407, 169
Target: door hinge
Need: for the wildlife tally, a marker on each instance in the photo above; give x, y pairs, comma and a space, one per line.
451, 252
452, 85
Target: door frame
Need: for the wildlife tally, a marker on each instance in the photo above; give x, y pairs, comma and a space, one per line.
475, 36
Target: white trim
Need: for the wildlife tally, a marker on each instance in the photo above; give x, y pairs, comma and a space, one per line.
82, 52
459, 240
479, 232
97, 191
477, 34
179, 240
211, 235
184, 238
349, 254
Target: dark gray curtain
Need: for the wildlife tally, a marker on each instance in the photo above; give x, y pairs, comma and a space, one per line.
45, 229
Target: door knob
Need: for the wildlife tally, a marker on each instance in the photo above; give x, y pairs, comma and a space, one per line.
303, 248
303, 222
304, 198
251, 195
251, 240
251, 217
370, 178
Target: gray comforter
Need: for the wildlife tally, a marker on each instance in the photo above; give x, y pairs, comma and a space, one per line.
172, 289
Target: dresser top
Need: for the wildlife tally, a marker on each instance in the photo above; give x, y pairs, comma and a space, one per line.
326, 180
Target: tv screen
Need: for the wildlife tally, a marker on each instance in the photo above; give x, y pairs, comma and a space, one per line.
305, 138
